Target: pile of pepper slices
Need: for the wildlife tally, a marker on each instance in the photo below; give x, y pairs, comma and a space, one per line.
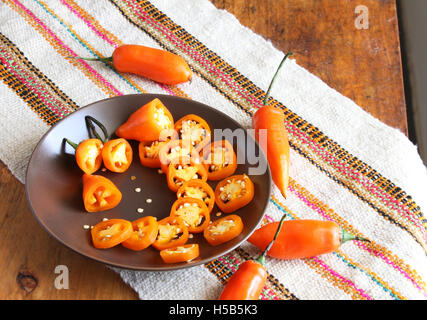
189, 159
185, 153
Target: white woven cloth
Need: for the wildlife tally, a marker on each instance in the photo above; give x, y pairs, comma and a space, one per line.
396, 268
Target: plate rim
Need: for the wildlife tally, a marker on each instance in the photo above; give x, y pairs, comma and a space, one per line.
120, 265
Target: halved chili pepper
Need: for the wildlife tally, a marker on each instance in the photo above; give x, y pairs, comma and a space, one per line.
88, 154
144, 233
301, 238
183, 253
220, 160
177, 151
193, 212
223, 230
272, 121
199, 189
155, 64
147, 123
99, 193
172, 233
110, 233
149, 150
117, 155
234, 192
194, 130
249, 280
182, 170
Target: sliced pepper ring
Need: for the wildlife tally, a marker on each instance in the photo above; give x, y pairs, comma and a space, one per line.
234, 192
182, 170
193, 212
99, 193
144, 233
172, 233
149, 150
220, 160
183, 253
89, 155
110, 233
117, 155
199, 189
175, 150
223, 230
194, 130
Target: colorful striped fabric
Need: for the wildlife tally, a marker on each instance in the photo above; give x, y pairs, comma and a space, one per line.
345, 165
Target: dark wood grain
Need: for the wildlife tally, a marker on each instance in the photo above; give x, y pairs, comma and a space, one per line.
364, 65
29, 256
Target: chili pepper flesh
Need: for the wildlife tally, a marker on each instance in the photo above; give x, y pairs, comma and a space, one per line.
249, 280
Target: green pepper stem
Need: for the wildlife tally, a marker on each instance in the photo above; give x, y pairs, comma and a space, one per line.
106, 59
267, 95
92, 130
71, 143
261, 258
347, 236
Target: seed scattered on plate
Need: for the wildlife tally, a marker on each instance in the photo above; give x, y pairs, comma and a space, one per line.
140, 210
86, 226
218, 214
103, 169
91, 227
137, 189
190, 236
105, 219
148, 200
160, 171
132, 177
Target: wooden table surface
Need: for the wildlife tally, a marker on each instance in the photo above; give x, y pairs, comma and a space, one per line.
362, 64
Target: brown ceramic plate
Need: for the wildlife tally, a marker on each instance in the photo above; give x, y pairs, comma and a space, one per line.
54, 189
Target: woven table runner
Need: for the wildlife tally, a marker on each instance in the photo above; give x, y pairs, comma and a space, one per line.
346, 166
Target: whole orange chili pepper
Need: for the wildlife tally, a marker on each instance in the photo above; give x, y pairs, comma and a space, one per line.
302, 238
88, 154
249, 280
272, 120
155, 64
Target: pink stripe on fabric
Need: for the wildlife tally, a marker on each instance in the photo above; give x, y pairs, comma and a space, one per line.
88, 67
345, 280
234, 269
387, 260
37, 89
359, 243
254, 101
88, 23
103, 36
366, 183
194, 54
327, 156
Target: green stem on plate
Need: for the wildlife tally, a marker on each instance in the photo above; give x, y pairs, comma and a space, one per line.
71, 143
92, 130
